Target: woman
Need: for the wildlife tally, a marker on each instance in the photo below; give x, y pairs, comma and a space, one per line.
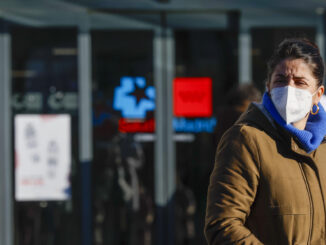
268, 185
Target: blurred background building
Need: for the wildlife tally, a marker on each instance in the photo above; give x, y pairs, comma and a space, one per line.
140, 85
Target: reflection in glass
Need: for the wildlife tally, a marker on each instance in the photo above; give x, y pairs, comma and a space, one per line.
123, 109
44, 81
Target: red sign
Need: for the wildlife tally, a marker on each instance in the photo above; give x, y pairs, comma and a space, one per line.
192, 97
128, 126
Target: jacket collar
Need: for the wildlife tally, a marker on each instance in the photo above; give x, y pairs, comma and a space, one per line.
255, 116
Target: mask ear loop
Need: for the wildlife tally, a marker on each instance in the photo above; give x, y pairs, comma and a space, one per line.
312, 109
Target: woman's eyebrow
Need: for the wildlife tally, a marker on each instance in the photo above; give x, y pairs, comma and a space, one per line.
295, 77
301, 78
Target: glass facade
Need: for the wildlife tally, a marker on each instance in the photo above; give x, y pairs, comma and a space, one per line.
198, 55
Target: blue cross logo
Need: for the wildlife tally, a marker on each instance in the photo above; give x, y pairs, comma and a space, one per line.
133, 98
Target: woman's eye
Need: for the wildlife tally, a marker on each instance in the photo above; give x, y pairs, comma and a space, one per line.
300, 83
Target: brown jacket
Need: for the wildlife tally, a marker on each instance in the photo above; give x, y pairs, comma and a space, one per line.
265, 189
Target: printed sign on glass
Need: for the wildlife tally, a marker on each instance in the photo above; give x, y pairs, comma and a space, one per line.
42, 157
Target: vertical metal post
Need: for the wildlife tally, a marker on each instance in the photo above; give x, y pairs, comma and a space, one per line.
165, 170
245, 61
85, 130
6, 190
170, 145
160, 153
159, 169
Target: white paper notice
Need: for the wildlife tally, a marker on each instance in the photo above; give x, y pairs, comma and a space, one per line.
42, 157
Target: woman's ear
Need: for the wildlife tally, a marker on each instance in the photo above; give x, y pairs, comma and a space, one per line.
319, 94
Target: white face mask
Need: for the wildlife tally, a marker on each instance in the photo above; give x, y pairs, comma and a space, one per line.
292, 104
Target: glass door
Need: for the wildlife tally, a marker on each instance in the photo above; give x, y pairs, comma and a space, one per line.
205, 71
124, 104
150, 183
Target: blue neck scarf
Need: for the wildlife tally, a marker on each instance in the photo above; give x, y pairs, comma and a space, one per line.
312, 136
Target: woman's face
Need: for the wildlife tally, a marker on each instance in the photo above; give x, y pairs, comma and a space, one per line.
295, 73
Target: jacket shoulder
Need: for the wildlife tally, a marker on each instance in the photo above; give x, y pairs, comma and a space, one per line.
247, 132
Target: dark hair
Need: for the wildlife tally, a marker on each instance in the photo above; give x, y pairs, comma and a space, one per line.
241, 93
298, 48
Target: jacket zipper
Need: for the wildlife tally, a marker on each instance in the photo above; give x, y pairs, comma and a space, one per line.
311, 205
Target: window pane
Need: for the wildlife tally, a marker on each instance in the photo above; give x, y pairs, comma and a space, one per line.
123, 126
44, 81
204, 73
